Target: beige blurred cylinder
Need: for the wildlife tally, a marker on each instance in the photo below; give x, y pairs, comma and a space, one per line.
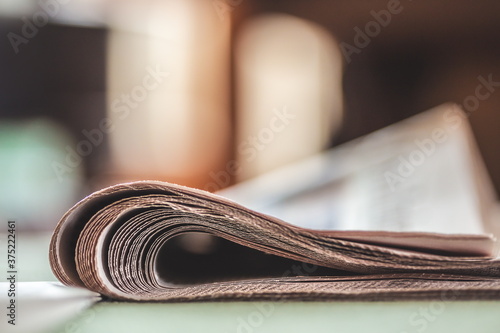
289, 92
167, 80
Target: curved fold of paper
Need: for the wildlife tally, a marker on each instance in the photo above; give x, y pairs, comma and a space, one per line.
113, 242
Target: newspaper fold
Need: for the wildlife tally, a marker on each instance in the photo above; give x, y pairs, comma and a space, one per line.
155, 241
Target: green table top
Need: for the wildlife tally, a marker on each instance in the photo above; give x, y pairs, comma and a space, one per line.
397, 317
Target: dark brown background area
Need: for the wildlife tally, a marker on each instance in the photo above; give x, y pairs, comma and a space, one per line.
60, 74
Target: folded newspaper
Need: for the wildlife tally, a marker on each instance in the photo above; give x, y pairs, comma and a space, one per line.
402, 213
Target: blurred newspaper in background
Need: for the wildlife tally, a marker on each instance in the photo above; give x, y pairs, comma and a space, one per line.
422, 174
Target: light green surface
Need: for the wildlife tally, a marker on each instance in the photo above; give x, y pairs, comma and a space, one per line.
249, 317
397, 317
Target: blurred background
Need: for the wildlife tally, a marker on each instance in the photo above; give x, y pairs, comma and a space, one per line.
207, 93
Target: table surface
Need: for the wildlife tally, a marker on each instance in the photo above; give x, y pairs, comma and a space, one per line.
50, 307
